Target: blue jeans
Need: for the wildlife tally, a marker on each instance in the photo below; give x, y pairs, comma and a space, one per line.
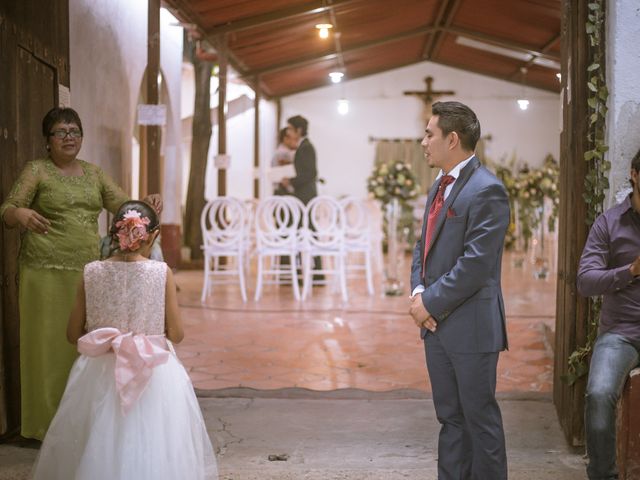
614, 356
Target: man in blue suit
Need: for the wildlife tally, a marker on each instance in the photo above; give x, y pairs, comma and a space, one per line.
457, 299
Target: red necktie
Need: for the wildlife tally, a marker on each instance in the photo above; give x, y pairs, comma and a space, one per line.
434, 211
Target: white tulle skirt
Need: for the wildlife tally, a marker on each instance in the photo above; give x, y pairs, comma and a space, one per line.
163, 437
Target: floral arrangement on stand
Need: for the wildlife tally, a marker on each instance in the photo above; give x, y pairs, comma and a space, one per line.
505, 174
393, 185
533, 187
527, 190
393, 181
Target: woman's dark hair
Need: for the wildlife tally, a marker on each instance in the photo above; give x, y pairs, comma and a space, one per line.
281, 134
299, 122
144, 209
457, 117
59, 114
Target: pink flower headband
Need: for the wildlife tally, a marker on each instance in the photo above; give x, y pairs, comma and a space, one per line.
132, 230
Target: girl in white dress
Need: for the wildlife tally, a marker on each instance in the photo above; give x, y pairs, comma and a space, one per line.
129, 410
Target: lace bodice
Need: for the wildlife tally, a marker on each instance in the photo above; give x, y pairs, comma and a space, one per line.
71, 204
126, 295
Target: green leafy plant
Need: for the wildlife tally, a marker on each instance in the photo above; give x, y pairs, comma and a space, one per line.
596, 181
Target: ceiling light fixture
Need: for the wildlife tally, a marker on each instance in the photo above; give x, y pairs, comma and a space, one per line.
343, 106
336, 77
523, 103
323, 29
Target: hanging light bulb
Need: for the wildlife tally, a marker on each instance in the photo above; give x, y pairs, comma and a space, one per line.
323, 29
336, 76
343, 106
523, 103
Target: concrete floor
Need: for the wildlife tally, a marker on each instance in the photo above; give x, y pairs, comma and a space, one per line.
365, 411
367, 436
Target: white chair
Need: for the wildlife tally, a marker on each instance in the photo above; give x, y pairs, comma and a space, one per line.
376, 228
250, 206
224, 235
276, 227
357, 237
323, 230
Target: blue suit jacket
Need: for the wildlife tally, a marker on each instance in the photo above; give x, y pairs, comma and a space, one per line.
462, 274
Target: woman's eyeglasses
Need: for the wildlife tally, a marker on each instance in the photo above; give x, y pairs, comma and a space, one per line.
61, 134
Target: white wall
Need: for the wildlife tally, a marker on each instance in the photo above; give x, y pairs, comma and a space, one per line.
379, 108
108, 52
171, 65
240, 137
108, 56
623, 71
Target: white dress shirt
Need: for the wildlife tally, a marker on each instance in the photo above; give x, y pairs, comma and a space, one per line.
455, 173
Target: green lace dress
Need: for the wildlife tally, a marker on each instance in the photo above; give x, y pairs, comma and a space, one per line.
51, 266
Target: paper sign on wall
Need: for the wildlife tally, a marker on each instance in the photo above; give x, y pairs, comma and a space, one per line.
152, 114
222, 161
64, 96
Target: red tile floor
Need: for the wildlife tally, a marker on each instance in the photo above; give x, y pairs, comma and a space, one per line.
369, 343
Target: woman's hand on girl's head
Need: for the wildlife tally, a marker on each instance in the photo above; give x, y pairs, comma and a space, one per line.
32, 220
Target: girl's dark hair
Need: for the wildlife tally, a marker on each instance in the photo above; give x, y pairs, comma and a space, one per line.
144, 209
59, 114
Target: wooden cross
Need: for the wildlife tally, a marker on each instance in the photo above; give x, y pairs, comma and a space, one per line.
428, 96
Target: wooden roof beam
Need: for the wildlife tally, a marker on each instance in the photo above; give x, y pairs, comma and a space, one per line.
311, 59
544, 49
323, 83
307, 8
445, 16
500, 42
183, 12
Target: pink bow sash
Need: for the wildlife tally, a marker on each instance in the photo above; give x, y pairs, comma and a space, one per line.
136, 356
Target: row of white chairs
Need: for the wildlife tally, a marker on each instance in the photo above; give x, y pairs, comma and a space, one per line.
280, 227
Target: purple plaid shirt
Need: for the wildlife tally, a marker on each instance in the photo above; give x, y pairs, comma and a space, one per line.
612, 246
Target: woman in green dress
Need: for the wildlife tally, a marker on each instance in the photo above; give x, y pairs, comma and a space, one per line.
57, 200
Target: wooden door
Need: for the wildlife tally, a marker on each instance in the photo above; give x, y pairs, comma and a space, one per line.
571, 309
33, 62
